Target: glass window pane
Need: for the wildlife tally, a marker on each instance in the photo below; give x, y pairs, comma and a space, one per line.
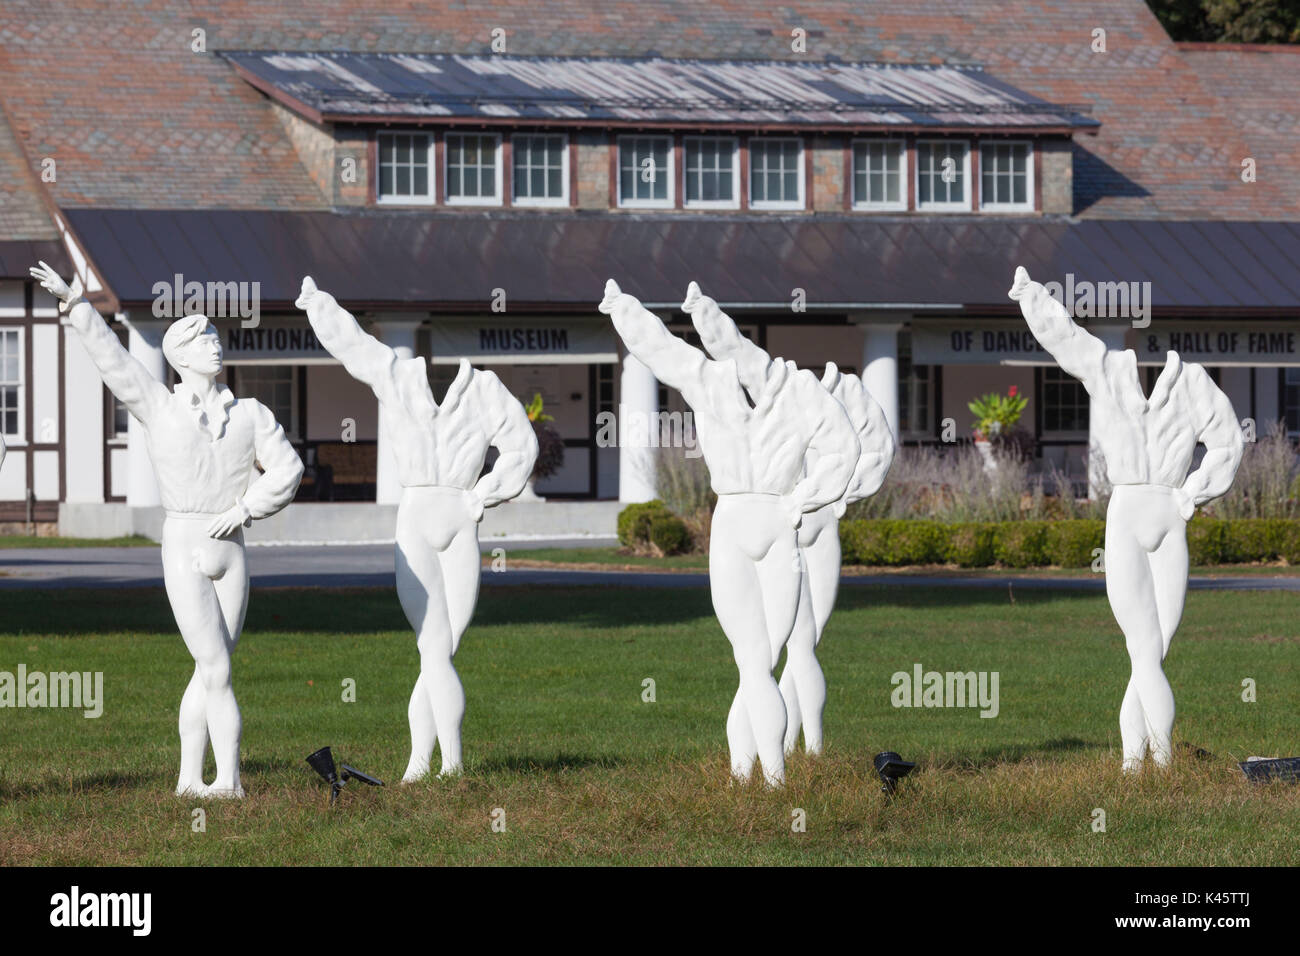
421, 181
1019, 190
537, 183
488, 178
554, 185
403, 181
403, 149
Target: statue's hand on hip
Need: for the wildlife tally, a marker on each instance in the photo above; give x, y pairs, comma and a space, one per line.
225, 524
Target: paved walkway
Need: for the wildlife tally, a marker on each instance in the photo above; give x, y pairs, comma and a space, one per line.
371, 565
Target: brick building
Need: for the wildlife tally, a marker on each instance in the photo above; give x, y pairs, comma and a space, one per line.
853, 183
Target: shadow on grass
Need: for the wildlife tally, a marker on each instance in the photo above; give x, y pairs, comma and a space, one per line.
1014, 754
108, 781
372, 610
557, 763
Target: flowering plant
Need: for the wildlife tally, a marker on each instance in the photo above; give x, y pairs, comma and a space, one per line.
996, 414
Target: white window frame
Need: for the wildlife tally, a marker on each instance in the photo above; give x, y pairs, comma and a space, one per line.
932, 206
734, 201
426, 200
671, 189
866, 204
18, 437
563, 198
1028, 204
800, 164
861, 204
451, 200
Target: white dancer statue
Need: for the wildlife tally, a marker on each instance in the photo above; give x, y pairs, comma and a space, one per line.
206, 447
755, 455
803, 686
1147, 445
440, 451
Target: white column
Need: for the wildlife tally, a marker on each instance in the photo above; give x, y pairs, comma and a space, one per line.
880, 367
637, 413
1112, 336
144, 341
398, 333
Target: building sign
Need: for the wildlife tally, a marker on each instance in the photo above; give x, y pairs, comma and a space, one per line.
522, 343
1221, 345
271, 344
983, 343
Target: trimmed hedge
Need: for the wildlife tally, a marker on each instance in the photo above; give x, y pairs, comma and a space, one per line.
669, 534
634, 522
1067, 543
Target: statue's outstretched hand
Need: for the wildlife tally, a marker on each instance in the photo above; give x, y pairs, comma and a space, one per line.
693, 297
612, 292
51, 282
1020, 285
308, 290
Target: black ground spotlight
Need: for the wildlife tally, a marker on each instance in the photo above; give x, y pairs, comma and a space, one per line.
892, 768
1264, 769
322, 761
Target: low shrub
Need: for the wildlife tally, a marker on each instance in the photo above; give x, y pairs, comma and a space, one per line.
1021, 544
669, 534
634, 522
1073, 544
970, 544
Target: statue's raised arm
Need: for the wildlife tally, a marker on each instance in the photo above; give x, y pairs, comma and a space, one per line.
366, 358
1077, 352
121, 371
723, 340
674, 362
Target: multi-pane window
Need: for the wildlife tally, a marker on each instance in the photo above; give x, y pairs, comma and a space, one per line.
1291, 401
11, 382
473, 170
710, 171
276, 387
915, 392
645, 173
405, 168
775, 174
879, 174
1065, 403
540, 164
942, 171
605, 388
1006, 176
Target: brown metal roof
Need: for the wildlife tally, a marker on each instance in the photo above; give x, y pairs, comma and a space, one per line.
368, 87
419, 260
19, 255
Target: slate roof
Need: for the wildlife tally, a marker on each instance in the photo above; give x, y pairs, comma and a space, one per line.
136, 118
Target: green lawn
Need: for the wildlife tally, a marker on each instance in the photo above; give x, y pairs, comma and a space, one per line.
557, 735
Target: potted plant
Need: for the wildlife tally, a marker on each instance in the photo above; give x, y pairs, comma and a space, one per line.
995, 417
550, 448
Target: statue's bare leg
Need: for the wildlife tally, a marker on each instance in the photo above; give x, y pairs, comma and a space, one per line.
750, 554
429, 523
803, 685
192, 565
1137, 523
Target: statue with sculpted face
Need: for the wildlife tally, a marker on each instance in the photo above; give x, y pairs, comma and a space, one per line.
803, 686
756, 453
440, 449
1147, 445
220, 463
